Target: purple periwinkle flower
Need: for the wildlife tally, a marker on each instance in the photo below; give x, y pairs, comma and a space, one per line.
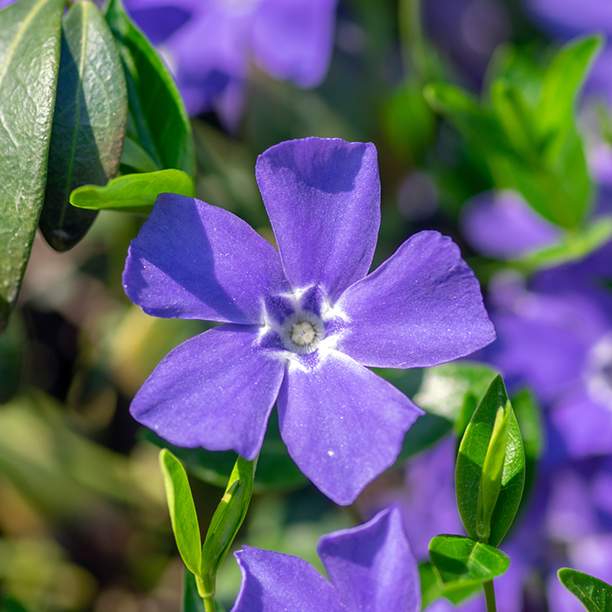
370, 567
210, 44
301, 324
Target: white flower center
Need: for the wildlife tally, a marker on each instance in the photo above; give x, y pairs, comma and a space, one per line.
598, 373
302, 332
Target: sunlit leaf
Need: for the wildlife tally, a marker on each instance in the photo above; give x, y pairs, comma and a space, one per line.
595, 594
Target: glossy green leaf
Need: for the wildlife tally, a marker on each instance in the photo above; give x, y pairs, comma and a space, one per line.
490, 479
595, 594
471, 459
133, 192
135, 159
160, 123
192, 602
459, 562
276, 471
228, 517
182, 511
88, 125
432, 589
29, 62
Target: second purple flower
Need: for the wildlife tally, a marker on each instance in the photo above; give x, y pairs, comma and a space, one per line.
301, 324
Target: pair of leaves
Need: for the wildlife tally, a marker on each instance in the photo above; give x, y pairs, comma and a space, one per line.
531, 143
204, 562
489, 479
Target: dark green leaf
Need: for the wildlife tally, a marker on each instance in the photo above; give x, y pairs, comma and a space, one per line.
182, 511
136, 159
595, 594
228, 517
431, 589
275, 469
192, 602
29, 63
160, 123
460, 562
133, 192
88, 124
470, 461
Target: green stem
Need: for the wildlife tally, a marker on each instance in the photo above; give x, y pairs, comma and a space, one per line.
412, 40
490, 596
207, 593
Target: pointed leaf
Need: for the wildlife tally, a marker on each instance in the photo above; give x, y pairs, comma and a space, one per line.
133, 192
228, 517
471, 460
432, 589
160, 122
182, 511
595, 594
460, 562
29, 62
88, 125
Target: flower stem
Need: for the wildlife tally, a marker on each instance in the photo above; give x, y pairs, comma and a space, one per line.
490, 596
206, 593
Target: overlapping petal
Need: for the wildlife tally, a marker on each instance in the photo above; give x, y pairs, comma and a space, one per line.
323, 200
216, 390
195, 261
342, 424
420, 308
291, 40
273, 582
372, 565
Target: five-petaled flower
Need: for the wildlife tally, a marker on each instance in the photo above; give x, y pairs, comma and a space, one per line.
301, 323
371, 567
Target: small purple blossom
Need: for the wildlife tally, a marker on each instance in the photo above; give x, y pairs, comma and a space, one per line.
209, 45
370, 567
301, 325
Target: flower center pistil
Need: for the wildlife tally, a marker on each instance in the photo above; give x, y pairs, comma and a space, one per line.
302, 332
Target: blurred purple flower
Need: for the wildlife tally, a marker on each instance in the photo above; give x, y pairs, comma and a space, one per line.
557, 338
370, 567
501, 225
209, 45
301, 322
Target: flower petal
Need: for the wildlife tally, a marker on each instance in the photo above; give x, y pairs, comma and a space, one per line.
323, 199
372, 565
273, 582
196, 261
420, 308
293, 40
216, 391
342, 424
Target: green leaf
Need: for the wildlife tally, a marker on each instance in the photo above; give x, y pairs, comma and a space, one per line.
276, 471
192, 602
432, 589
182, 511
29, 63
136, 159
595, 594
562, 82
459, 562
471, 460
228, 517
490, 479
133, 192
160, 121
88, 124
